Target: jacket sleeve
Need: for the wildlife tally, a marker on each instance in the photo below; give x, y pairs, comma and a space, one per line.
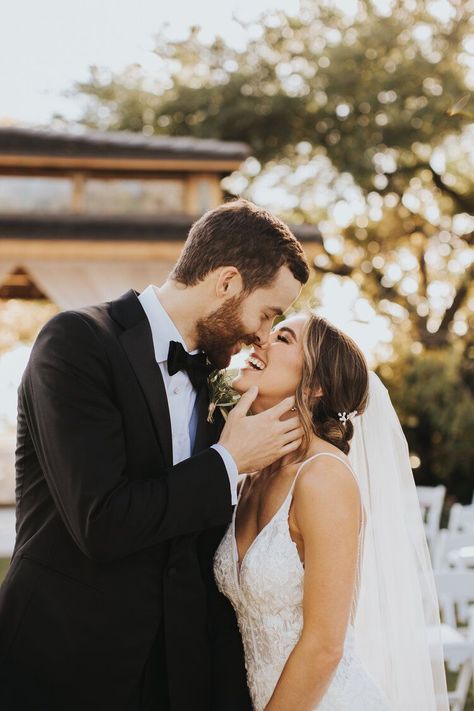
76, 427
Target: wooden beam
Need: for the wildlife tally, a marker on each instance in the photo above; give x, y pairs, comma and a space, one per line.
20, 250
119, 164
81, 250
110, 173
194, 184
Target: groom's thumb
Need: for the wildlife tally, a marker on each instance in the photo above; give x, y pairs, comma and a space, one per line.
243, 406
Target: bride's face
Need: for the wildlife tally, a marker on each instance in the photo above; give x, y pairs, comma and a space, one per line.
276, 368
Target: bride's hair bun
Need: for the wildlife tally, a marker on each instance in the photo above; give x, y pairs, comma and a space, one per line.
334, 385
332, 430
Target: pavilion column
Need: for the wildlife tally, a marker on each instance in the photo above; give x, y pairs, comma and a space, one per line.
202, 192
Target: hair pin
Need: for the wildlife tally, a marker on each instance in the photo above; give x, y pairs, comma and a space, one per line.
343, 416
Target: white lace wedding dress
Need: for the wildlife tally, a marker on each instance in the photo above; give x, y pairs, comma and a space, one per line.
266, 591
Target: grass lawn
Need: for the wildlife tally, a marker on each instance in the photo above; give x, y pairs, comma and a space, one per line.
470, 699
451, 677
4, 563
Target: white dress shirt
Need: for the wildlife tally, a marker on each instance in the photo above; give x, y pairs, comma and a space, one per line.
180, 392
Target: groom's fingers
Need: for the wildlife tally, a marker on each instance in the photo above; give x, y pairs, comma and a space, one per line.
293, 435
245, 402
255, 442
290, 447
282, 407
290, 424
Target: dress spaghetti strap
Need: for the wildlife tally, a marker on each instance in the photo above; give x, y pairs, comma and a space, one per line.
320, 454
363, 520
334, 456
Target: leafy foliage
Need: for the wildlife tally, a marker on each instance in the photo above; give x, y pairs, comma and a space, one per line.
436, 410
364, 125
340, 110
20, 321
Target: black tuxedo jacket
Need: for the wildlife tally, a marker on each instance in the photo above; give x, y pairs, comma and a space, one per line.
110, 601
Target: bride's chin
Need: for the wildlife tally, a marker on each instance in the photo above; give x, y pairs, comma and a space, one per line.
238, 385
242, 382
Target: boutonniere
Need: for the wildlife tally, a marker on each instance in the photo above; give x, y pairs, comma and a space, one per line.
221, 394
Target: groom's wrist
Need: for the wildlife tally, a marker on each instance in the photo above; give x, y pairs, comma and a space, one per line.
231, 468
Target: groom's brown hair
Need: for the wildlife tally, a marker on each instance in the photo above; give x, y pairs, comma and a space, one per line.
242, 235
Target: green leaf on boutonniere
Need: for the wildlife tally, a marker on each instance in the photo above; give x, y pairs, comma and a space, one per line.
221, 394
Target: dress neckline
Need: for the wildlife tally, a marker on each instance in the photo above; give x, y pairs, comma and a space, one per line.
238, 564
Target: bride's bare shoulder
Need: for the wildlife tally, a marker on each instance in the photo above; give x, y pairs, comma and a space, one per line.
324, 479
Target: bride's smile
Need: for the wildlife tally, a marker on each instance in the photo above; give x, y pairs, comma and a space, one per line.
275, 367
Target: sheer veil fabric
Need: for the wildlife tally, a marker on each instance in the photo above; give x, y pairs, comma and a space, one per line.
397, 626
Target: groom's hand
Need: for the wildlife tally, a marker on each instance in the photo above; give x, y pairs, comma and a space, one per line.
258, 441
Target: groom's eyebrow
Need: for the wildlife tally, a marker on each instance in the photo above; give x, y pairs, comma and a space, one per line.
276, 310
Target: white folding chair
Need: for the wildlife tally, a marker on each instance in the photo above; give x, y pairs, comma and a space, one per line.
453, 551
456, 591
461, 519
431, 500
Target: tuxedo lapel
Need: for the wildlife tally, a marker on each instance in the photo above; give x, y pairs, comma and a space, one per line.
137, 343
207, 433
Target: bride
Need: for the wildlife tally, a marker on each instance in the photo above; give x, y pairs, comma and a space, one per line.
325, 561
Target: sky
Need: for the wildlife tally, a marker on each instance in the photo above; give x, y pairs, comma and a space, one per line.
46, 46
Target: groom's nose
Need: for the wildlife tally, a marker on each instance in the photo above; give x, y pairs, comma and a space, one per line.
262, 340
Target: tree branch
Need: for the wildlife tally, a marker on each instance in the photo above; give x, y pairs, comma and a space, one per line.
465, 202
423, 272
338, 270
458, 300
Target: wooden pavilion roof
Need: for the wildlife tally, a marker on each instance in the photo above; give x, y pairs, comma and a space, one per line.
114, 228
23, 149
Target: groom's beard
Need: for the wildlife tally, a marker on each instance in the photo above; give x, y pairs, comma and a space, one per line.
221, 331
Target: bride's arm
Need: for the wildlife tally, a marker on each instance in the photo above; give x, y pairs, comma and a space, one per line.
327, 512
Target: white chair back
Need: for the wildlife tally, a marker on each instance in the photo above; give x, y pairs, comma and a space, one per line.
461, 519
431, 500
453, 551
456, 593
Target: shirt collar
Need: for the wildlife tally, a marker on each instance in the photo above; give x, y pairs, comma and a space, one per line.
163, 330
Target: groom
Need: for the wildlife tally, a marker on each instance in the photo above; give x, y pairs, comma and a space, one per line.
122, 496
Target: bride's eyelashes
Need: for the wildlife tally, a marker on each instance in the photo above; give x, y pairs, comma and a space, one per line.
282, 338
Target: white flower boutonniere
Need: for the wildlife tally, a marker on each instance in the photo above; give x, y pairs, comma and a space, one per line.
221, 394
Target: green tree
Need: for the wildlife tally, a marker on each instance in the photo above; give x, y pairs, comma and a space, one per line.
363, 125
436, 410
373, 102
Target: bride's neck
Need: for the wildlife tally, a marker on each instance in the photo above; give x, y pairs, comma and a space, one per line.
260, 405
287, 461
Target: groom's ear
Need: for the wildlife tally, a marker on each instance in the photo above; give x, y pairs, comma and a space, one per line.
229, 282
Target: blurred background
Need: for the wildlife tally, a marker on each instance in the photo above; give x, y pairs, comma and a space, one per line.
353, 120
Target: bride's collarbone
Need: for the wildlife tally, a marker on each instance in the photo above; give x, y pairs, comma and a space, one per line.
260, 500
264, 493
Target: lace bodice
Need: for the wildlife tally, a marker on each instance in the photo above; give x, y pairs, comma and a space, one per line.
266, 591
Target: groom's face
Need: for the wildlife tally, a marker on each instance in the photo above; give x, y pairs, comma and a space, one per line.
246, 320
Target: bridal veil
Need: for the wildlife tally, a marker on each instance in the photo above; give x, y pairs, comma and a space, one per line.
397, 624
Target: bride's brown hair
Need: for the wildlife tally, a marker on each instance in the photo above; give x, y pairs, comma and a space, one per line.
336, 365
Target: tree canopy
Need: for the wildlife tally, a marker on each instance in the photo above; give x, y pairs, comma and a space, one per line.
356, 117
360, 123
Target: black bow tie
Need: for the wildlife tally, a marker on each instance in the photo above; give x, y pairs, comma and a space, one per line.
196, 366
